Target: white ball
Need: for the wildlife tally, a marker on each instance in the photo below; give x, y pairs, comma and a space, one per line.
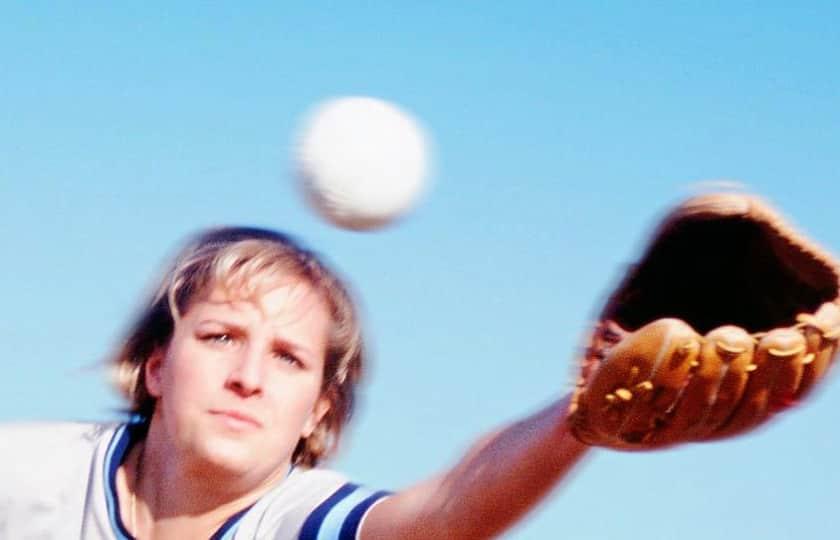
362, 162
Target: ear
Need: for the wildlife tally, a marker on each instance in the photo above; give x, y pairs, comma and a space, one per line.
322, 406
152, 373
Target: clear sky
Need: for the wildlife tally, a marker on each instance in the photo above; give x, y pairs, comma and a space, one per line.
562, 131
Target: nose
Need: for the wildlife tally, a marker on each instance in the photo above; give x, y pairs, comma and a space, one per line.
246, 374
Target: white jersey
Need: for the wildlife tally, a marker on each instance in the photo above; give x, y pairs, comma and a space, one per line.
59, 481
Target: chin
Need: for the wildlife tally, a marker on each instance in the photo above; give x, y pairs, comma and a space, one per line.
238, 457
228, 455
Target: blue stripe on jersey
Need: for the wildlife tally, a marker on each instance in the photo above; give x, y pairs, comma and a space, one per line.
113, 457
354, 518
228, 528
338, 517
310, 528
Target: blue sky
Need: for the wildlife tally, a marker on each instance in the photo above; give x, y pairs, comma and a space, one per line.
561, 132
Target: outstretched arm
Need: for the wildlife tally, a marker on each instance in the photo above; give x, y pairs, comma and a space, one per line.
503, 476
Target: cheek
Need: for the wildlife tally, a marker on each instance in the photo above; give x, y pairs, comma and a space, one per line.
185, 375
295, 398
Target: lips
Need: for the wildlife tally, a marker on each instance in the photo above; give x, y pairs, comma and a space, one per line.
237, 419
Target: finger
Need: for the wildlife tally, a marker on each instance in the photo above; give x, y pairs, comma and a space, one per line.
822, 331
676, 355
775, 348
718, 349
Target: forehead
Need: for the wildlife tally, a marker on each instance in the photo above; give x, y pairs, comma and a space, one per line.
287, 300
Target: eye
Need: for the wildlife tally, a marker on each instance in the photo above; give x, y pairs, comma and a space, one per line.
288, 358
219, 338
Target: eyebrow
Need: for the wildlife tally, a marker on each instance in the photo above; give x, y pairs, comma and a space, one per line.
276, 342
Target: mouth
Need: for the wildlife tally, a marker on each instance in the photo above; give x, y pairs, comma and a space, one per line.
236, 419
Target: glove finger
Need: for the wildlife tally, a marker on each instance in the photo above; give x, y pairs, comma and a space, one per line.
775, 348
734, 348
822, 331
604, 336
788, 377
677, 354
605, 402
719, 348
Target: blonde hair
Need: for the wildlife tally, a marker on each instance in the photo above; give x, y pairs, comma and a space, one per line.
243, 259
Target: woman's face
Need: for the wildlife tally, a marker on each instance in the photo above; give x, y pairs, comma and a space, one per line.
239, 383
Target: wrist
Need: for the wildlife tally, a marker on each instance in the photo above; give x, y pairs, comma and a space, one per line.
566, 435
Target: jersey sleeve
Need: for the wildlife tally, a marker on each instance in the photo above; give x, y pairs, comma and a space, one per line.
340, 516
311, 504
44, 473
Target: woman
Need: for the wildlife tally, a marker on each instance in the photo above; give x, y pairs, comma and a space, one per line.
240, 374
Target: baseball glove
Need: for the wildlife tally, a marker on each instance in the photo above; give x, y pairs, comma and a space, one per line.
730, 317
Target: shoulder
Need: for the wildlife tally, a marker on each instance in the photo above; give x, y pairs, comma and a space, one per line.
44, 470
27, 447
312, 504
14, 435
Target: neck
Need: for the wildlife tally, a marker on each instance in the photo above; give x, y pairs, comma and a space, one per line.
171, 495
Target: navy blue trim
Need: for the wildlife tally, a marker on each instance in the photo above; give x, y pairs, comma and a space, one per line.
354, 518
313, 523
124, 438
230, 523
